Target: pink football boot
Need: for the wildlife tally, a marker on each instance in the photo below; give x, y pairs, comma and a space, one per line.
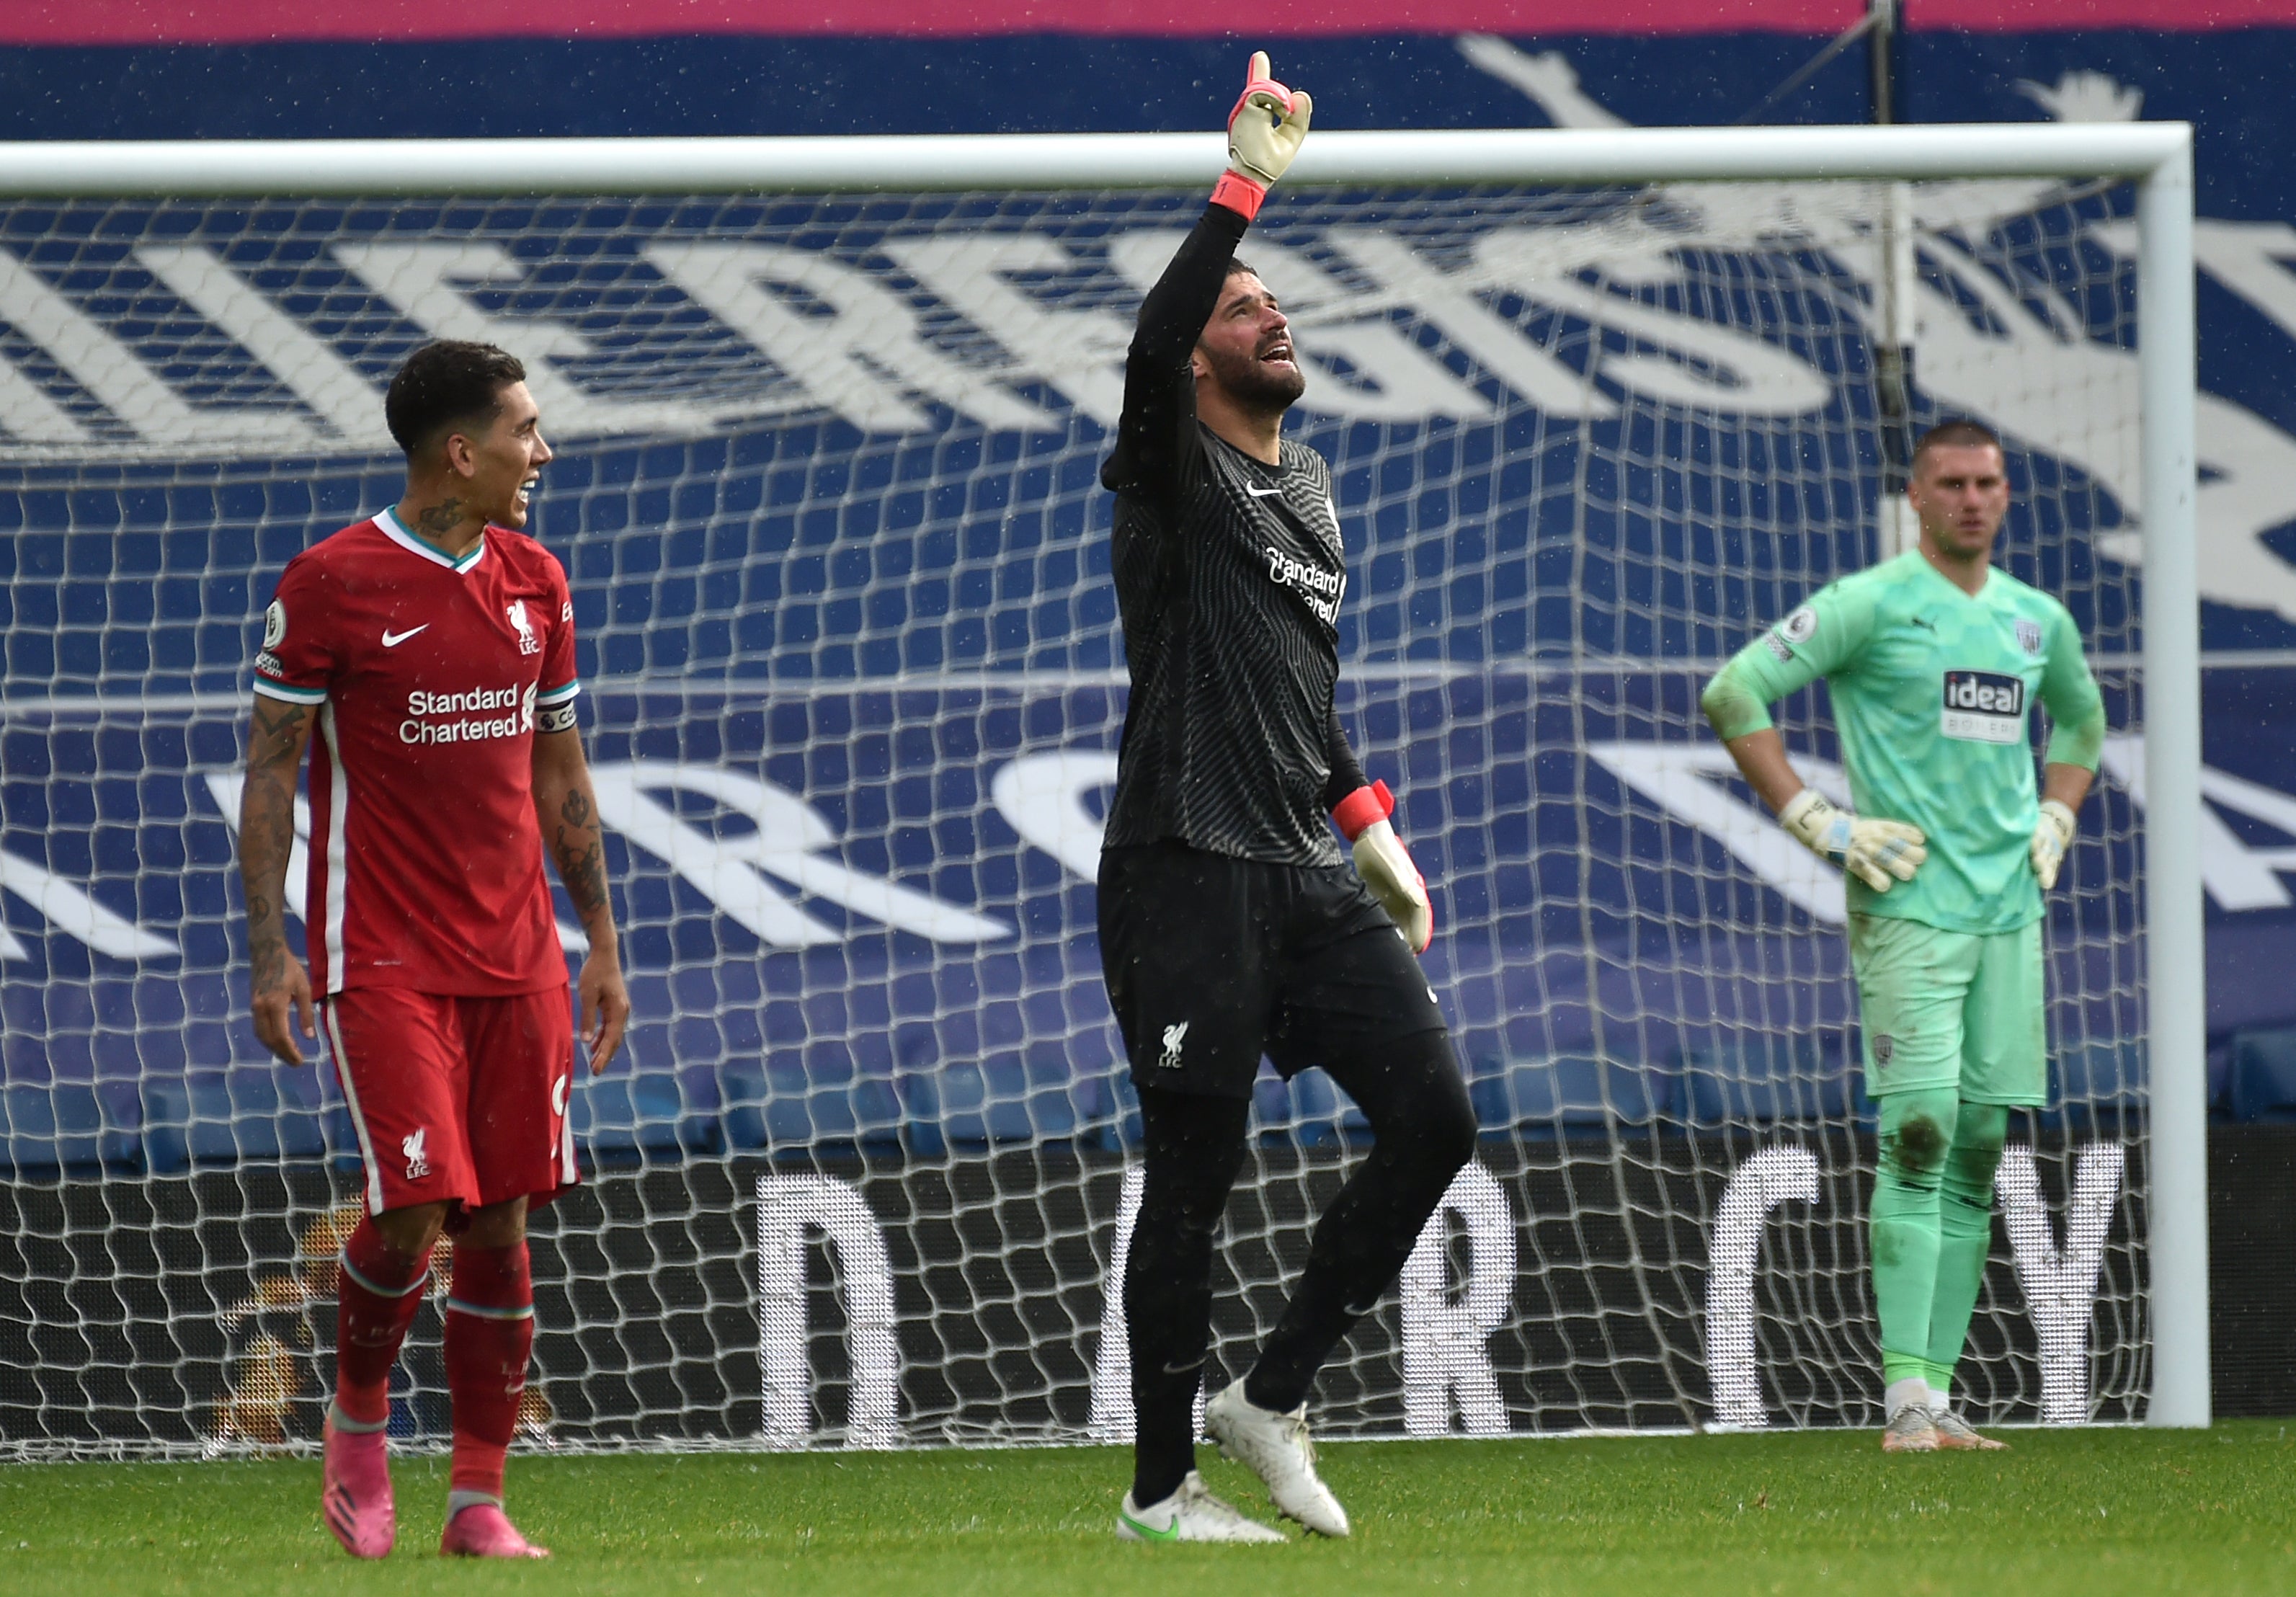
355, 1493
482, 1530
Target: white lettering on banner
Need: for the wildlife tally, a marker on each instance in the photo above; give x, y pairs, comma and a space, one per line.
69, 908
2060, 1285
784, 837
428, 283
2238, 874
306, 364
1686, 780
1690, 362
224, 787
2044, 381
839, 358
122, 383
791, 1209
1079, 352
1042, 797
1772, 1176
1447, 1326
1491, 341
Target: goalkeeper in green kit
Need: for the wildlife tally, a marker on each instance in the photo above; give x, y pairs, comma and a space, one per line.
1932, 660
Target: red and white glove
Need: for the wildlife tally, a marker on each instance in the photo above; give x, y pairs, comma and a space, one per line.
1385, 864
1264, 133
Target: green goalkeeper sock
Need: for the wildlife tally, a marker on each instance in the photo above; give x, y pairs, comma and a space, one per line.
1964, 1229
1916, 1128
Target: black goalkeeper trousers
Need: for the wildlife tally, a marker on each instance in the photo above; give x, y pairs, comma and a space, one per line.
1424, 1128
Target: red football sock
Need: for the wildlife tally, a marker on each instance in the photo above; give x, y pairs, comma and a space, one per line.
489, 1336
378, 1290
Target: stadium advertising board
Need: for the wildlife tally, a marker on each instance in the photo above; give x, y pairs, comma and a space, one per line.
877, 1301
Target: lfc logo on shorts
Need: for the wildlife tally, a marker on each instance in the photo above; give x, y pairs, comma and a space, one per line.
1174, 1035
418, 1162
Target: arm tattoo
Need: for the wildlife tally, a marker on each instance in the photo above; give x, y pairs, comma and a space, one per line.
579, 850
266, 830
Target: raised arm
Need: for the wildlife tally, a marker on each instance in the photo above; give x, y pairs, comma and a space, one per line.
1157, 432
276, 736
567, 809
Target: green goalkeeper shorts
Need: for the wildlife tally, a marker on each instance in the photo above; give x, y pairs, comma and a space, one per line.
1954, 1010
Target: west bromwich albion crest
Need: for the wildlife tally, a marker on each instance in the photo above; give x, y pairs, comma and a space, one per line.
2028, 637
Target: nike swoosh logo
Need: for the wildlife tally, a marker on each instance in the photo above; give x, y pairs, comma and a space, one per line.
1925, 623
1260, 493
392, 640
1170, 1533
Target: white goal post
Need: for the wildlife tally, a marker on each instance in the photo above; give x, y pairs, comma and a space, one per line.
2155, 157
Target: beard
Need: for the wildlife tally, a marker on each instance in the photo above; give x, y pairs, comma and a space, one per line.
1255, 386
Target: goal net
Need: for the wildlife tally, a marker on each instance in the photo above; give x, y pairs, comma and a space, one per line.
826, 491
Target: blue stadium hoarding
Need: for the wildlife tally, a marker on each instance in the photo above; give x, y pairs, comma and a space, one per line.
783, 603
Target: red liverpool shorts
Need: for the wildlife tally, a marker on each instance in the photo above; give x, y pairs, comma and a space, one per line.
458, 1101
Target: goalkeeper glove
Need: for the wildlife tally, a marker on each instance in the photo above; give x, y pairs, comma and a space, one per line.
1385, 864
1264, 132
1875, 851
2051, 837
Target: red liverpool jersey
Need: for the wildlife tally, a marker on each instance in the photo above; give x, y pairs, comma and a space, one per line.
432, 675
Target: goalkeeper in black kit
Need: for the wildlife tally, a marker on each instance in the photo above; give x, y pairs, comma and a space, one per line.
1230, 925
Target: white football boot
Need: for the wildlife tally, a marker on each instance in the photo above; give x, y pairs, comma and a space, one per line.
1275, 1447
1955, 1434
1191, 1514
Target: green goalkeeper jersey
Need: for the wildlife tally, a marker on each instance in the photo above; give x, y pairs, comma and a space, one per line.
1932, 688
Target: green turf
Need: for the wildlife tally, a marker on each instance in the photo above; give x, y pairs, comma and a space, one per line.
2088, 1513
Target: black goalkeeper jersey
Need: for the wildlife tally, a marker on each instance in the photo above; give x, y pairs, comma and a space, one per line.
1229, 575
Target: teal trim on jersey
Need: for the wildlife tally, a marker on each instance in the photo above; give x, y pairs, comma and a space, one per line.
271, 688
559, 695
398, 530
1933, 692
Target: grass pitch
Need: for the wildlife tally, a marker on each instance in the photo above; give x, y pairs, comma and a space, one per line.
2089, 1512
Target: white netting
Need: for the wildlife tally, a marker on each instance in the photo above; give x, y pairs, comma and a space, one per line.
827, 495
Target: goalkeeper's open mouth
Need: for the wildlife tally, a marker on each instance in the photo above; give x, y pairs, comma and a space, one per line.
1277, 352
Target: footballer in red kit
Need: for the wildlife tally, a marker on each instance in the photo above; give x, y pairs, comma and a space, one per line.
425, 658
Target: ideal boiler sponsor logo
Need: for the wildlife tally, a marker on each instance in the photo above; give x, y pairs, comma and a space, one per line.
1982, 706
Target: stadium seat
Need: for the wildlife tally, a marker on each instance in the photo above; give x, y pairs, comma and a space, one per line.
1309, 1110
626, 1119
1765, 1078
775, 1105
265, 1113
743, 1097
2096, 1080
961, 1104
49, 1129
1563, 1094
2263, 1085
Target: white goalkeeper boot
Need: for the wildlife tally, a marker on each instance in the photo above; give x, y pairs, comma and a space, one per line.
1191, 1514
1275, 1447
1955, 1434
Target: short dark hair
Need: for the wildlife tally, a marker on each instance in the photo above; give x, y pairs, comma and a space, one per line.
1237, 267
1959, 434
445, 383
